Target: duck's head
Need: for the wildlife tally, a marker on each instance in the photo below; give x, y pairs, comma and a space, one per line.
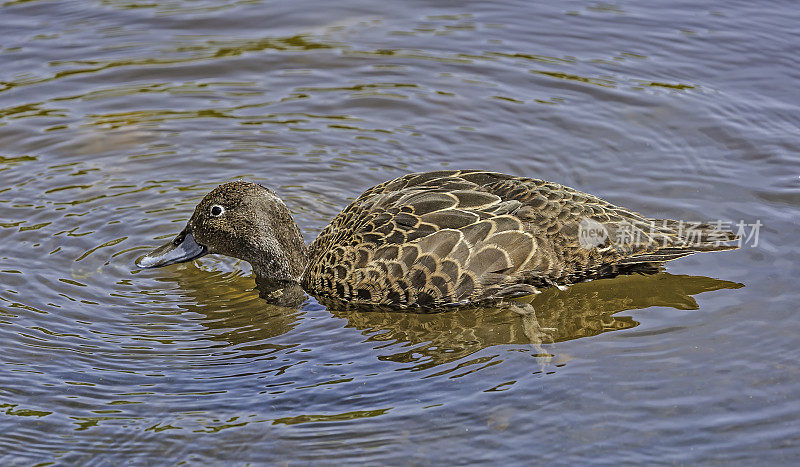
243, 220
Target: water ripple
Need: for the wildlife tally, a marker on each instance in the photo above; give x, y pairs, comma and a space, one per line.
115, 120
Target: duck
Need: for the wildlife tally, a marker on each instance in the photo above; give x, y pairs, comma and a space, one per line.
431, 240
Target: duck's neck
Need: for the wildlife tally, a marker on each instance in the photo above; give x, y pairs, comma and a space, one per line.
283, 265
282, 256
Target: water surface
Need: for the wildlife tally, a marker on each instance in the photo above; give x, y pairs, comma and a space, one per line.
116, 117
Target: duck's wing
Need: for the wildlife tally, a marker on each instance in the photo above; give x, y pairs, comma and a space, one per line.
589, 234
452, 237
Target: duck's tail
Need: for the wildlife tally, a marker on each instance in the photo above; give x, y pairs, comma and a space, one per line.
681, 238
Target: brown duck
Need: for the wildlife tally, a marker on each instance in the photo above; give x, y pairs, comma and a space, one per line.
434, 239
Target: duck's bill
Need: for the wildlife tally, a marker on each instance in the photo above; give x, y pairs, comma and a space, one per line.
183, 248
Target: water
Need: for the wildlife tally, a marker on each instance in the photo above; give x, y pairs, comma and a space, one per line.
116, 117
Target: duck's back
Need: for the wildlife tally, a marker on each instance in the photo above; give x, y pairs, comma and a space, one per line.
453, 237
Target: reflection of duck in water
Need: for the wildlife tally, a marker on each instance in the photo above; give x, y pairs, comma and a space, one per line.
434, 239
586, 309
232, 313
230, 310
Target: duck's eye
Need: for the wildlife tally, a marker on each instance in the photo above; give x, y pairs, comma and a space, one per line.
216, 210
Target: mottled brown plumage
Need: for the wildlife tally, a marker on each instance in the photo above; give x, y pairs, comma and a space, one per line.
443, 238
